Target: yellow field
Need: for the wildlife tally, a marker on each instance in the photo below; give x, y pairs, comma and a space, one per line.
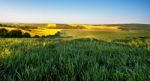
97, 27
51, 25
44, 31
101, 27
9, 28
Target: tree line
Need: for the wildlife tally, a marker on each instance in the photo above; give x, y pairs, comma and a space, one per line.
4, 33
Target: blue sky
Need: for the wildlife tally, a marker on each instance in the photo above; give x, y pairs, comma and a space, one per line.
75, 11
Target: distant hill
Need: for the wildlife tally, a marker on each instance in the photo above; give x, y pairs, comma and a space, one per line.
52, 28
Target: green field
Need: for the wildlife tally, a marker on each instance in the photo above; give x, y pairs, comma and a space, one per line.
76, 60
105, 35
78, 55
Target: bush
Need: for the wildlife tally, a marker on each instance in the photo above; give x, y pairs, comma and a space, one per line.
3, 33
36, 36
15, 33
43, 36
26, 35
58, 34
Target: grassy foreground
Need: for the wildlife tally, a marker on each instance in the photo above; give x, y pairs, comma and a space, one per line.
74, 60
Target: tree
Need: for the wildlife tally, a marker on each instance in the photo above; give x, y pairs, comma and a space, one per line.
3, 32
1, 25
43, 36
36, 36
15, 33
58, 34
26, 35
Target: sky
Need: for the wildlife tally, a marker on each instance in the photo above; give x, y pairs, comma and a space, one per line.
75, 11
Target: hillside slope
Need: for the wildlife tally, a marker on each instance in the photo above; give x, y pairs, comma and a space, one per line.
76, 60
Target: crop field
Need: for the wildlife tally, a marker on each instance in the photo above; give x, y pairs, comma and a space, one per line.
77, 53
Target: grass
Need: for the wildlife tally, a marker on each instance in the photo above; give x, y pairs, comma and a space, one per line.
73, 60
142, 42
104, 35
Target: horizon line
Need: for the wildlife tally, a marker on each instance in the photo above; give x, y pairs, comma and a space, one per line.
65, 23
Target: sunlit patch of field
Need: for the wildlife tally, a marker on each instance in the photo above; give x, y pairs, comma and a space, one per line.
74, 25
51, 25
101, 27
44, 31
9, 28
96, 27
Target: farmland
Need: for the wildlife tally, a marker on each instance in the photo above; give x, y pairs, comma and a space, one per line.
80, 53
